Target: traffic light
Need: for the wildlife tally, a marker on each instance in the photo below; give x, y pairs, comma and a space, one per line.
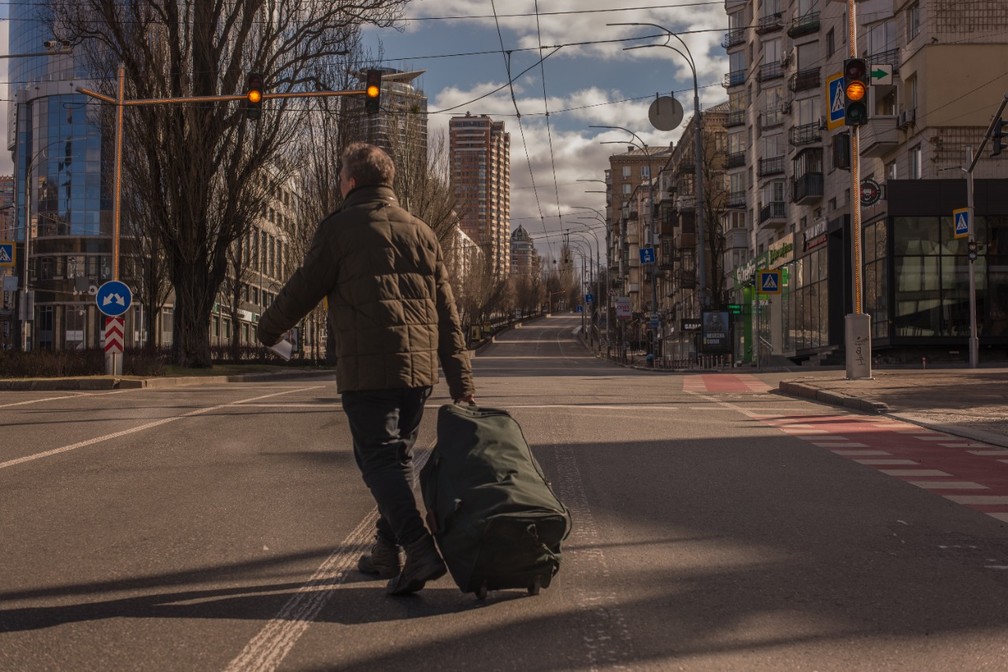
856, 81
253, 95
971, 249
998, 137
372, 91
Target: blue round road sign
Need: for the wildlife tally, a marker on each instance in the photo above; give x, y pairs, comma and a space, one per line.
114, 298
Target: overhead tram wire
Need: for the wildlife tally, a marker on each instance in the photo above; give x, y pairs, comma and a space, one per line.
528, 159
549, 131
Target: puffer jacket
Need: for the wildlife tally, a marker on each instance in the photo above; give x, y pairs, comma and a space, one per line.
390, 301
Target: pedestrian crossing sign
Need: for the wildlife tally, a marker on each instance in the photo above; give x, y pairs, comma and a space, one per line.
962, 224
6, 254
770, 281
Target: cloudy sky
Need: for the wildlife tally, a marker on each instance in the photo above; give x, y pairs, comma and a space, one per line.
565, 70
566, 61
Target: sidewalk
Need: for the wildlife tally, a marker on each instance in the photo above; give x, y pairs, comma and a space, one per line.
971, 403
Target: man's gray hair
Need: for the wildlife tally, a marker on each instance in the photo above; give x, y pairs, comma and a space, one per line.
368, 165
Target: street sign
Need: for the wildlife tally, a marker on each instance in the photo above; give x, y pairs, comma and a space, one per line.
113, 335
962, 224
835, 101
770, 281
113, 298
623, 307
735, 308
881, 74
690, 324
871, 192
654, 322
589, 298
647, 255
6, 254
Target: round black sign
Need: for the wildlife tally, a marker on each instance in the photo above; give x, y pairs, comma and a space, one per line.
871, 192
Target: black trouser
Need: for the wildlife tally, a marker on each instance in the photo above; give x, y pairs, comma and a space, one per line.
384, 425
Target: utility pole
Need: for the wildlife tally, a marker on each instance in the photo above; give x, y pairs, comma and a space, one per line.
857, 325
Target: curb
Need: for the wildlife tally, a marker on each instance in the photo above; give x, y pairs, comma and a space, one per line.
109, 383
833, 398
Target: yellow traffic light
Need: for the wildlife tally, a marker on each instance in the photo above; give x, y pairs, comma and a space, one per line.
855, 91
253, 95
372, 91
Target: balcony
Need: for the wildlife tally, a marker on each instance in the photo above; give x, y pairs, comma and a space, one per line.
879, 136
808, 188
804, 80
770, 23
733, 38
806, 134
734, 78
771, 166
771, 70
735, 118
804, 25
735, 160
736, 199
773, 213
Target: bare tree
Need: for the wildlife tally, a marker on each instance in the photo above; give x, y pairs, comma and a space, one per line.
210, 170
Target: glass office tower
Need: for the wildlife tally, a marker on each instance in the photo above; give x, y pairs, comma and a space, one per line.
62, 184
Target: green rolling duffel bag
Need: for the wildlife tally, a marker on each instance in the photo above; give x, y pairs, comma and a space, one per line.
492, 511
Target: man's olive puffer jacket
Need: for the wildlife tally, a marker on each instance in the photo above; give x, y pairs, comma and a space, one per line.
390, 302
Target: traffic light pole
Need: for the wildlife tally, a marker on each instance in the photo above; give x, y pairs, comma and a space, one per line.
857, 325
974, 339
114, 363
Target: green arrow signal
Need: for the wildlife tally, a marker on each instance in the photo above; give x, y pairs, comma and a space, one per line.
879, 74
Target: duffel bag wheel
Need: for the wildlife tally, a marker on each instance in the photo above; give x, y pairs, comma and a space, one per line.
481, 592
534, 587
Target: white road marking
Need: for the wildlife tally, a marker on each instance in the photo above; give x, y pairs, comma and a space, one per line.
861, 453
63, 396
878, 462
978, 499
914, 472
270, 646
140, 428
838, 444
948, 485
988, 453
274, 641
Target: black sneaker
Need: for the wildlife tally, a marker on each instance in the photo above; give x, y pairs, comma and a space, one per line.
423, 564
382, 562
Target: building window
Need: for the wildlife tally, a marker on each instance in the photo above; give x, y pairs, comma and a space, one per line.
626, 172
916, 167
891, 170
913, 21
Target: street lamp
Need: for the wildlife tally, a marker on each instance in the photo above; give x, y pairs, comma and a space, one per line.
697, 147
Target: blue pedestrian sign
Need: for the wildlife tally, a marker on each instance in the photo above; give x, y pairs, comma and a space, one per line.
962, 223
114, 298
589, 298
769, 282
647, 255
6, 254
836, 101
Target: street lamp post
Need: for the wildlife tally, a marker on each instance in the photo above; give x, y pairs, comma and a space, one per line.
697, 150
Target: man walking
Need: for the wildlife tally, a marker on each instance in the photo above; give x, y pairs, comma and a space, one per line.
393, 315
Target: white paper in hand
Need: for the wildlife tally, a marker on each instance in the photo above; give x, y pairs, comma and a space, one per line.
283, 348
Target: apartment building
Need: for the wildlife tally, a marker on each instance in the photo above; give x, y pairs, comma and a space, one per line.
524, 258
400, 126
480, 155
788, 180
630, 203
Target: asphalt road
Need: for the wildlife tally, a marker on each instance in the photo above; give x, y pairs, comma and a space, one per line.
717, 526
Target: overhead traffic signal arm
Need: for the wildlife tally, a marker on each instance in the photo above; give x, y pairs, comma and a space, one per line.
997, 136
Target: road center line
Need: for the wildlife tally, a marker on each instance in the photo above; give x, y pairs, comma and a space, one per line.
274, 641
141, 428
